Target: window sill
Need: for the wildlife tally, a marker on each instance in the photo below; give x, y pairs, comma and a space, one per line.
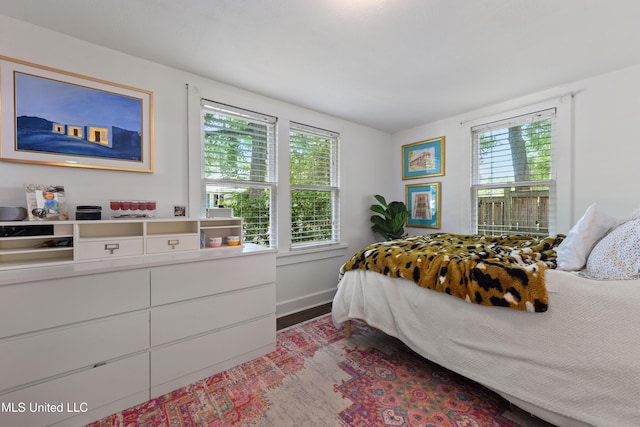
297, 256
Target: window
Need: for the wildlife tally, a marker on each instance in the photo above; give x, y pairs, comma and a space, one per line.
513, 188
239, 167
313, 158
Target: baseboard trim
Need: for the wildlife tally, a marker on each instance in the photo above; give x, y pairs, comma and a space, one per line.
296, 305
301, 316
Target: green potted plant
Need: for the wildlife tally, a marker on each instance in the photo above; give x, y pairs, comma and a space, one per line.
389, 222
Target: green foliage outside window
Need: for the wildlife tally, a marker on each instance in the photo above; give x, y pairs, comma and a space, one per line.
311, 213
240, 174
313, 190
235, 156
524, 149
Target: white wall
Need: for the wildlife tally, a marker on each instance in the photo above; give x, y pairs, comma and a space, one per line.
598, 153
304, 279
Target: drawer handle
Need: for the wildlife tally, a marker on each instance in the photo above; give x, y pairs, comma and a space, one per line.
173, 243
111, 247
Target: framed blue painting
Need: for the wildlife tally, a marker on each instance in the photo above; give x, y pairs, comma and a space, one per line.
423, 159
423, 203
55, 117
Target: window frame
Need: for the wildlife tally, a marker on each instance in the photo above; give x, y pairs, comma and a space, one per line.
333, 187
270, 182
523, 116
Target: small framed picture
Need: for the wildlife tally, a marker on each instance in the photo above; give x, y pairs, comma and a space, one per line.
179, 211
423, 203
423, 159
46, 202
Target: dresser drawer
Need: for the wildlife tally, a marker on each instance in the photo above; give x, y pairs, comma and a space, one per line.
178, 360
26, 307
109, 248
47, 354
186, 242
198, 279
86, 390
176, 321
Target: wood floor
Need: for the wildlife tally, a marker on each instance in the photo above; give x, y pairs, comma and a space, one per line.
301, 316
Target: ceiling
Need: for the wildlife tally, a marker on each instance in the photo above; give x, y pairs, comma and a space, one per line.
388, 64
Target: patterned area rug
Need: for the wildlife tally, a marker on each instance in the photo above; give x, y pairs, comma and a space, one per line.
317, 377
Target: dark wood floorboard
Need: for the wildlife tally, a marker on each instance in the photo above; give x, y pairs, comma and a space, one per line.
295, 318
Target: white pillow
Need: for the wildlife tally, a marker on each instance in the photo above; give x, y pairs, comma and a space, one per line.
575, 248
617, 255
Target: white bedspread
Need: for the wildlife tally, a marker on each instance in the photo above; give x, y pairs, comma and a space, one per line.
579, 360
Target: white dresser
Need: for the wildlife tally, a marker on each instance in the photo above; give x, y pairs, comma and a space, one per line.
130, 311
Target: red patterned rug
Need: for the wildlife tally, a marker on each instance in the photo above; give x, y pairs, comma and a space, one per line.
402, 389
317, 377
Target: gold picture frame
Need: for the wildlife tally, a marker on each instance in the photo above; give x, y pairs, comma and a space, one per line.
423, 159
423, 203
55, 117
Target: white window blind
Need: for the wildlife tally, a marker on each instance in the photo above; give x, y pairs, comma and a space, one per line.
238, 158
313, 159
513, 188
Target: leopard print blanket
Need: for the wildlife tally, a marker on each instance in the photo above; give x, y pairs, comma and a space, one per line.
506, 271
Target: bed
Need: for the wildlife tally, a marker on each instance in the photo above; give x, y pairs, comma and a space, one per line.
576, 362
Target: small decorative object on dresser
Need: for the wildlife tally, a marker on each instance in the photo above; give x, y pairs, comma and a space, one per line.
88, 212
46, 202
132, 209
233, 240
215, 242
12, 213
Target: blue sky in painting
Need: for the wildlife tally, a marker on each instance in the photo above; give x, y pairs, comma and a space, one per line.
75, 105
